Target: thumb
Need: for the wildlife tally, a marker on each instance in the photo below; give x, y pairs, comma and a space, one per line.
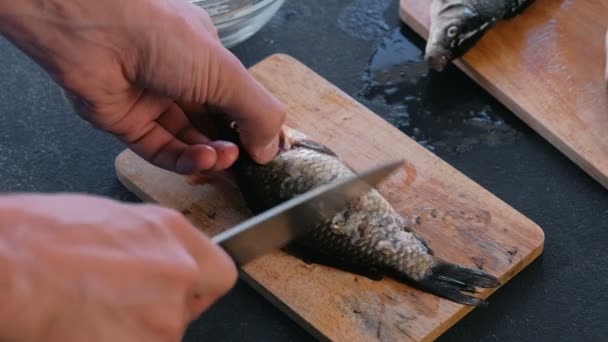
257, 113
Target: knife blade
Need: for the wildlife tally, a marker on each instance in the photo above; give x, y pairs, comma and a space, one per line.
276, 227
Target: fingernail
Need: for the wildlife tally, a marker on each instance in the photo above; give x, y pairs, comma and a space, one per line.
219, 144
195, 159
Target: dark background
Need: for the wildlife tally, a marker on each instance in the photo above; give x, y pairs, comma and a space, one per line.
362, 47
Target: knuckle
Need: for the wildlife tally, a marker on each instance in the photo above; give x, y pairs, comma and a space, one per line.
69, 80
173, 328
214, 31
208, 22
186, 272
171, 214
172, 218
232, 60
229, 275
164, 218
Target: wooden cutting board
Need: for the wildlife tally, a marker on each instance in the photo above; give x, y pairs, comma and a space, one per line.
463, 222
547, 66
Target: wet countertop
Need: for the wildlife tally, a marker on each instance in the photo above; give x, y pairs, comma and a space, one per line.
362, 47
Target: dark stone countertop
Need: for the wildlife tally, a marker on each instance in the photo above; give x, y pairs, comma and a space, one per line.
361, 46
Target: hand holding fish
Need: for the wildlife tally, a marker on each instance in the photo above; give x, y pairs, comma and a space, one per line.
138, 68
77, 268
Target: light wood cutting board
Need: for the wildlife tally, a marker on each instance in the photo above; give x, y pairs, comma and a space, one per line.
463, 222
547, 66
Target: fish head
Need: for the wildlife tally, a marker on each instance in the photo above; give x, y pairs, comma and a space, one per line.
455, 27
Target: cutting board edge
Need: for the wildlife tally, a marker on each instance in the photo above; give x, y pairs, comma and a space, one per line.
281, 306
570, 152
465, 310
122, 178
410, 21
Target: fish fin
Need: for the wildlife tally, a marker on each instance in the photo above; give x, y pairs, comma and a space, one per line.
291, 138
420, 239
449, 281
311, 255
313, 145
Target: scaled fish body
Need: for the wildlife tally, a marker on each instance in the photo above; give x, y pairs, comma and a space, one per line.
457, 25
368, 236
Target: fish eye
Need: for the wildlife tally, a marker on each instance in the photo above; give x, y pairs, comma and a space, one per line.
452, 31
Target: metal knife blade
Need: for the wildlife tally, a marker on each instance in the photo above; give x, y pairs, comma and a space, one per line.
274, 228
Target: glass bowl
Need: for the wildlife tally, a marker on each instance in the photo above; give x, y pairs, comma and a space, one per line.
237, 20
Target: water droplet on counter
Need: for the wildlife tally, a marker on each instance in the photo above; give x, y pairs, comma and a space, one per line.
438, 110
364, 19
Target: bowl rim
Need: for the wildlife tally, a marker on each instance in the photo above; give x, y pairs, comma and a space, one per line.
254, 9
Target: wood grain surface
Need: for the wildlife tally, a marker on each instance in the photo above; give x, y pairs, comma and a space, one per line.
461, 221
547, 66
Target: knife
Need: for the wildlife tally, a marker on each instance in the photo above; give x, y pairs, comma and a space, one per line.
276, 227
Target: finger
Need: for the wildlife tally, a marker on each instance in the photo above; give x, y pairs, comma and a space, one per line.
207, 22
175, 121
185, 130
199, 116
163, 149
192, 108
213, 273
218, 272
227, 153
258, 114
199, 120
219, 275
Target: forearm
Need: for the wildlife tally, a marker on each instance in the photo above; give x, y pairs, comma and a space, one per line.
16, 17
25, 23
48, 31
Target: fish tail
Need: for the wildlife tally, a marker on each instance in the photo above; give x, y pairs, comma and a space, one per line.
449, 281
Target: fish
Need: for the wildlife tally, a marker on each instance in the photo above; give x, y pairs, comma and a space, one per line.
457, 25
368, 237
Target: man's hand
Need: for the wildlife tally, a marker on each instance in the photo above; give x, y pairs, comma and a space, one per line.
79, 268
145, 70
